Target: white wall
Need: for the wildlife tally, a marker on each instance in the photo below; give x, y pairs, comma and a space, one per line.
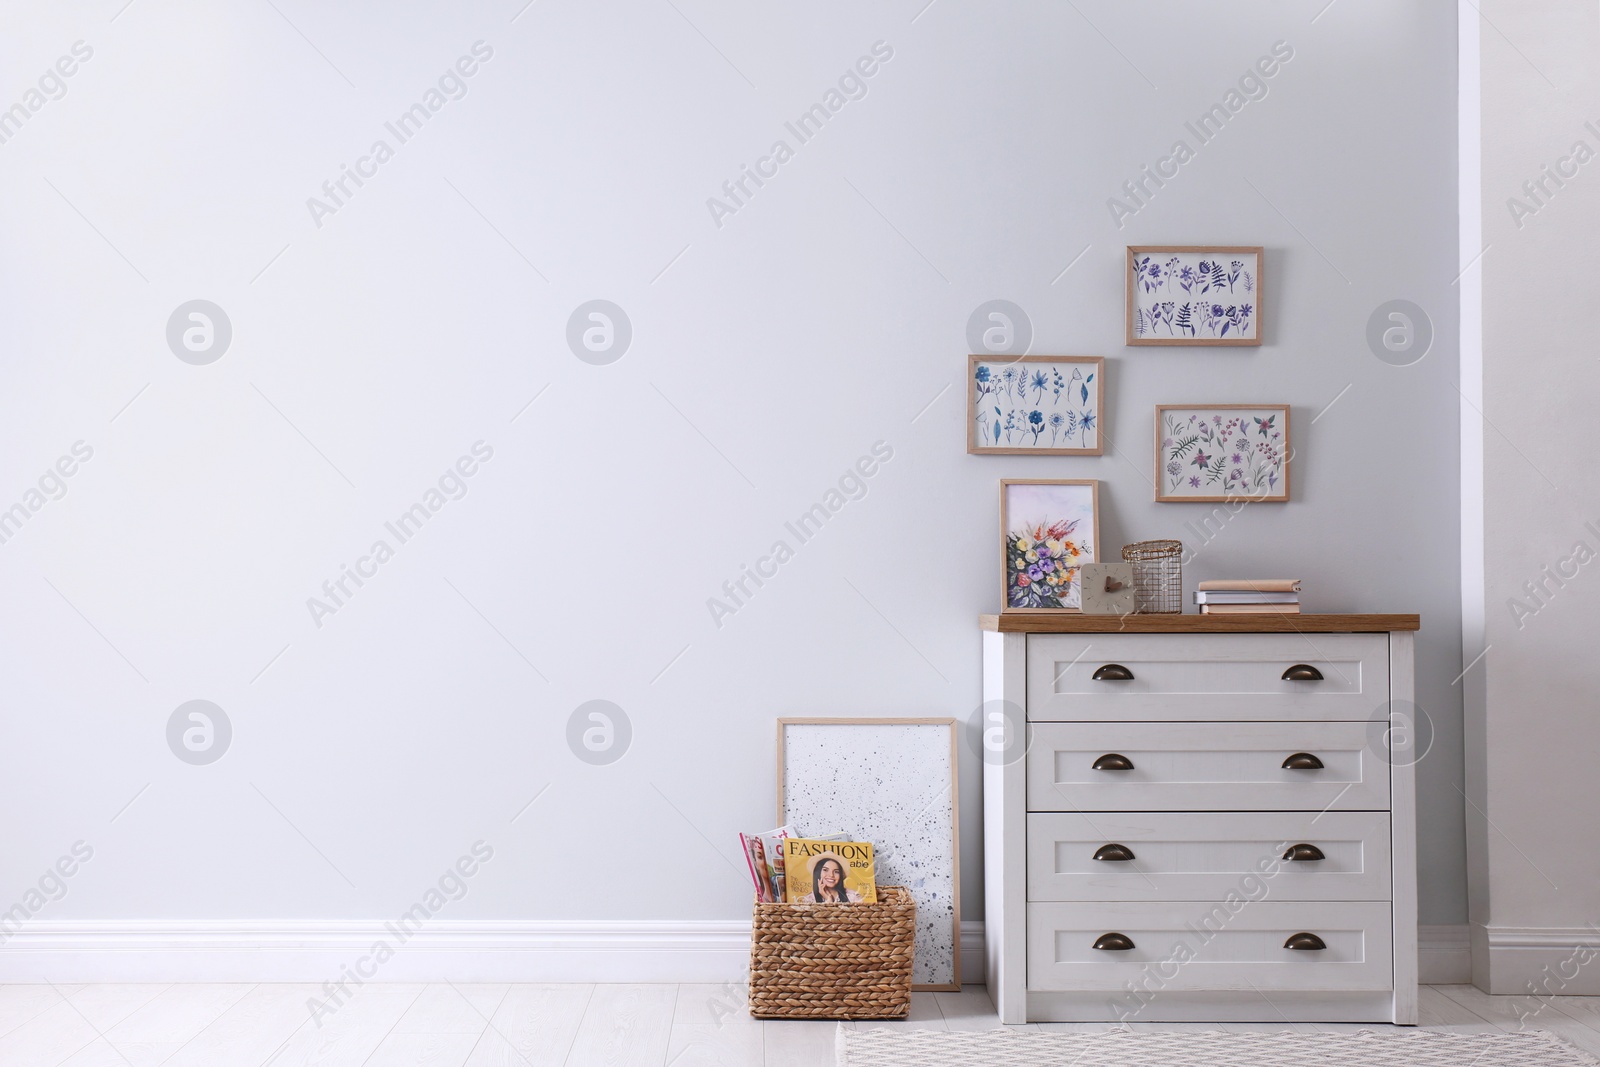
768, 354
1534, 734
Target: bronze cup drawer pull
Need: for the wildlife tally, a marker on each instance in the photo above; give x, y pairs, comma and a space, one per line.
1113, 761
1303, 852
1118, 853
1302, 761
1112, 672
1122, 942
1306, 943
1302, 672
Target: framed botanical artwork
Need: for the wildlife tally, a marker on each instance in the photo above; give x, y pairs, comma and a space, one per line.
891, 782
1035, 405
1194, 295
1215, 453
1049, 528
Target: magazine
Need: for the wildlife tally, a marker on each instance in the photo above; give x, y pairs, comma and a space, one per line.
763, 855
829, 872
836, 836
755, 857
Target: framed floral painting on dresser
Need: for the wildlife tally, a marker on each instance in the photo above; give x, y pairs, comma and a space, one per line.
1049, 529
1194, 295
1216, 453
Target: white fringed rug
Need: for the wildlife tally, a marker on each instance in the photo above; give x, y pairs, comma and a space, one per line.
1121, 1048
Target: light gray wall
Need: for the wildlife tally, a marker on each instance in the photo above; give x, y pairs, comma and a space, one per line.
768, 353
1537, 727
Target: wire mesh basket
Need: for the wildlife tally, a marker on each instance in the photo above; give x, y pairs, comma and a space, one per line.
1157, 576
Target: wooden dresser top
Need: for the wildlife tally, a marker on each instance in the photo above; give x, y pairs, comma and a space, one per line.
1073, 623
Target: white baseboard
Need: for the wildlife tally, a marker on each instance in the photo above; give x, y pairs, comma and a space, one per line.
317, 951
1541, 960
157, 951
552, 952
463, 951
1444, 955
972, 953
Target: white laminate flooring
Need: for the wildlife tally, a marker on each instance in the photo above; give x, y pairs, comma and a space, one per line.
451, 1025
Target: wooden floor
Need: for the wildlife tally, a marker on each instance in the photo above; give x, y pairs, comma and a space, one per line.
543, 1025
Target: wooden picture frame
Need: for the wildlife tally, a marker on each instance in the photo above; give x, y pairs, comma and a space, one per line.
1068, 398
847, 763
1268, 452
1245, 289
1041, 514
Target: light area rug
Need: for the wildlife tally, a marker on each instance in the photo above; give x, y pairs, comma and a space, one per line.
1122, 1048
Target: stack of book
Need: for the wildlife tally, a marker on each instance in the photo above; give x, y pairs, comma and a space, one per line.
1249, 596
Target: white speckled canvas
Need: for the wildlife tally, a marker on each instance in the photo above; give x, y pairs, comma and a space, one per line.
892, 783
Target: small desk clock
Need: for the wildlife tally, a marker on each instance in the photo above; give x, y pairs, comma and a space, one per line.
1107, 588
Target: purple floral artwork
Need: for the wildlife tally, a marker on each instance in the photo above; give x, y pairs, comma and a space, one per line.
1049, 536
1210, 454
1198, 297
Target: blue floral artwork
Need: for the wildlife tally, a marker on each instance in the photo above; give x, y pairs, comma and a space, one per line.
1222, 453
1047, 405
1183, 297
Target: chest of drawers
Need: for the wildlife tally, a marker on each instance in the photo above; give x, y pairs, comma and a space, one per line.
1200, 818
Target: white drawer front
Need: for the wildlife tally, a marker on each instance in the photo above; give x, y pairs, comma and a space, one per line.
1206, 676
1219, 766
1197, 946
1207, 855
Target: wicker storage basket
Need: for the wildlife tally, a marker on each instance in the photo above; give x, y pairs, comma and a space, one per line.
833, 961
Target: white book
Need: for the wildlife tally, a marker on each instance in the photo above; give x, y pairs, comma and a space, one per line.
1243, 596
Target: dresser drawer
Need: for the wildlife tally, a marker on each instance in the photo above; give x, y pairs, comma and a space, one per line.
1196, 946
1206, 676
1208, 855
1218, 766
